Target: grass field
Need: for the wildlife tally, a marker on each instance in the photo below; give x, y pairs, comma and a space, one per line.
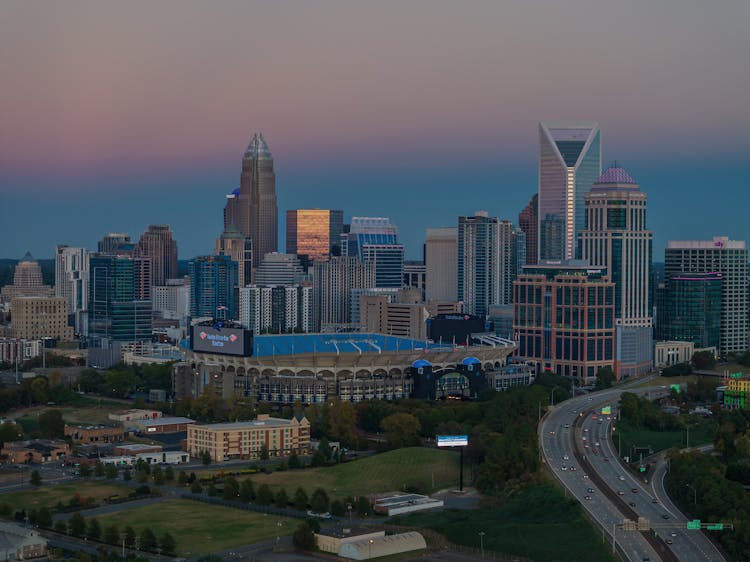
659, 440
201, 528
538, 523
48, 496
426, 469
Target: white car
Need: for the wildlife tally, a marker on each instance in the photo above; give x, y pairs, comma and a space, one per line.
566, 457
622, 478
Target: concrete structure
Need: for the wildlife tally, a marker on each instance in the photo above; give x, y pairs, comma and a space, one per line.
729, 258
331, 539
247, 440
40, 317
404, 503
513, 374
135, 414
279, 269
212, 287
314, 234
383, 546
281, 309
253, 208
158, 245
21, 543
239, 247
441, 259
135, 449
116, 243
403, 314
36, 451
375, 240
415, 276
72, 283
528, 222
737, 393
81, 433
172, 301
563, 319
668, 353
569, 163
333, 283
165, 457
615, 237
167, 424
14, 350
27, 281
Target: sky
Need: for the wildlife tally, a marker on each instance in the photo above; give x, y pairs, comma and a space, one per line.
116, 115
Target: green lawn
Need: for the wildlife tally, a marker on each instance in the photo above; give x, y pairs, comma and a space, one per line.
415, 467
201, 528
537, 523
658, 440
48, 496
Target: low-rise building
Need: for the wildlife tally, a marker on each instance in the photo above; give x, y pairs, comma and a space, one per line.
36, 451
163, 425
330, 540
514, 374
94, 433
404, 503
737, 393
165, 457
133, 449
248, 439
21, 543
668, 353
135, 414
383, 546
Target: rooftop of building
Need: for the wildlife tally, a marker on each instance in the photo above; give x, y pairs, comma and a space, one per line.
343, 531
261, 422
618, 175
175, 420
355, 342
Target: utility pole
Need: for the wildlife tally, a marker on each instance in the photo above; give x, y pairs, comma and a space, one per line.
481, 542
614, 528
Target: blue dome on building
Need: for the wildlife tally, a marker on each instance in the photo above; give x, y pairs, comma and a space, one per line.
470, 361
420, 363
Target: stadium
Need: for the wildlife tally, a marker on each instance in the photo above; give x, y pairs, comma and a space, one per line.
310, 368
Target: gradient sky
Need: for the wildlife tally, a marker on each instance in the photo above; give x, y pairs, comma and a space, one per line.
114, 115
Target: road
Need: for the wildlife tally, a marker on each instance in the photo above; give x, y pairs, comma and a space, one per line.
606, 488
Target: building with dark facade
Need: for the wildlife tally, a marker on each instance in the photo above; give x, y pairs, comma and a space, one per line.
157, 243
528, 221
314, 234
689, 309
212, 287
374, 240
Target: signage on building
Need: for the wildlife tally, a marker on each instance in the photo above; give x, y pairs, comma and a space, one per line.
222, 340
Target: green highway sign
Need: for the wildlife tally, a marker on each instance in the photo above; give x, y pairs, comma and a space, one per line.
694, 524
715, 527
642, 469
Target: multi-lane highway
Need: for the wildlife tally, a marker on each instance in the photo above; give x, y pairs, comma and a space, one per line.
575, 440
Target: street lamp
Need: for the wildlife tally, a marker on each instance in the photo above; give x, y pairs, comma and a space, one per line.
481, 542
552, 396
370, 548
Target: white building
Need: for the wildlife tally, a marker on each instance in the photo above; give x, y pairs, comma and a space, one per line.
279, 309
12, 349
333, 282
172, 300
72, 282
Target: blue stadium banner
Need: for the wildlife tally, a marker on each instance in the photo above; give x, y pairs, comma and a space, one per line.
452, 440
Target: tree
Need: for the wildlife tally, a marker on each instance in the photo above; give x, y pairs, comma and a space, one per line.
129, 536
605, 377
158, 475
401, 429
44, 518
231, 488
294, 461
110, 471
167, 544
264, 452
703, 360
363, 506
77, 525
84, 470
169, 473
36, 478
212, 490
61, 527
281, 499
196, 487
93, 529
300, 500
126, 474
319, 501
264, 496
99, 468
206, 457
111, 534
304, 538
247, 492
182, 479
147, 539
9, 432
51, 424
337, 508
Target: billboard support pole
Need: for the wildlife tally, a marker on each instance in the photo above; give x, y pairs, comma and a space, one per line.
461, 472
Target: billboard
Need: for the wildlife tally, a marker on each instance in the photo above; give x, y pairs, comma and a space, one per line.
450, 328
222, 340
452, 440
607, 410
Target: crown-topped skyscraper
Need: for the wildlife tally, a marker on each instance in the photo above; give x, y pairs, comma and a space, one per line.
252, 208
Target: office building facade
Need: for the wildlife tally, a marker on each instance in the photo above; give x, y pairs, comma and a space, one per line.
239, 248
40, 317
314, 234
212, 287
333, 283
278, 310
158, 245
72, 283
27, 281
528, 222
279, 269
569, 163
374, 240
689, 309
441, 264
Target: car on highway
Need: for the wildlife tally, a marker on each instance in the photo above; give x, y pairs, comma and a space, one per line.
586, 476
634, 490
567, 426
586, 497
665, 516
670, 541
621, 478
563, 467
597, 444
566, 457
590, 490
573, 468
632, 504
606, 459
655, 500
620, 493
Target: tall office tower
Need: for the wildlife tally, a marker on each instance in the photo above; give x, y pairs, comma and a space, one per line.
276, 309
415, 276
615, 237
72, 283
569, 163
279, 269
484, 262
27, 281
333, 282
116, 243
172, 300
157, 243
374, 240
314, 234
212, 287
239, 247
142, 280
689, 309
728, 257
528, 221
552, 239
114, 311
518, 254
564, 319
253, 209
441, 259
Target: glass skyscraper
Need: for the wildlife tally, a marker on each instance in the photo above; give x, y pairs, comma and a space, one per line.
569, 163
690, 309
212, 283
374, 240
314, 234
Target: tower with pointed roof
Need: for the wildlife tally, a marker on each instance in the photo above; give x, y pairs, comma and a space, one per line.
569, 163
253, 208
615, 236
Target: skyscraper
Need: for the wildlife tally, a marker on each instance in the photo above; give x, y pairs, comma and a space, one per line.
615, 237
72, 282
729, 258
314, 234
253, 209
528, 221
569, 163
333, 283
279, 269
157, 243
115, 243
239, 247
27, 281
690, 309
441, 259
374, 240
481, 262
212, 287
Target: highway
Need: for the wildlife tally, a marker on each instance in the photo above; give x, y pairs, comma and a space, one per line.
576, 445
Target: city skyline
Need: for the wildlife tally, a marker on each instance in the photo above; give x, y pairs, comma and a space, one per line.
159, 139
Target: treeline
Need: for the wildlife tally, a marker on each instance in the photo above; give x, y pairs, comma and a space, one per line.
642, 413
123, 380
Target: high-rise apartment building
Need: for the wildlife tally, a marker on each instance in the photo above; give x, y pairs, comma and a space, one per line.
569, 163
564, 319
72, 283
333, 282
239, 247
374, 240
485, 262
279, 269
40, 317
441, 260
615, 237
172, 301
157, 243
253, 209
276, 309
528, 221
314, 234
729, 258
212, 287
689, 309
